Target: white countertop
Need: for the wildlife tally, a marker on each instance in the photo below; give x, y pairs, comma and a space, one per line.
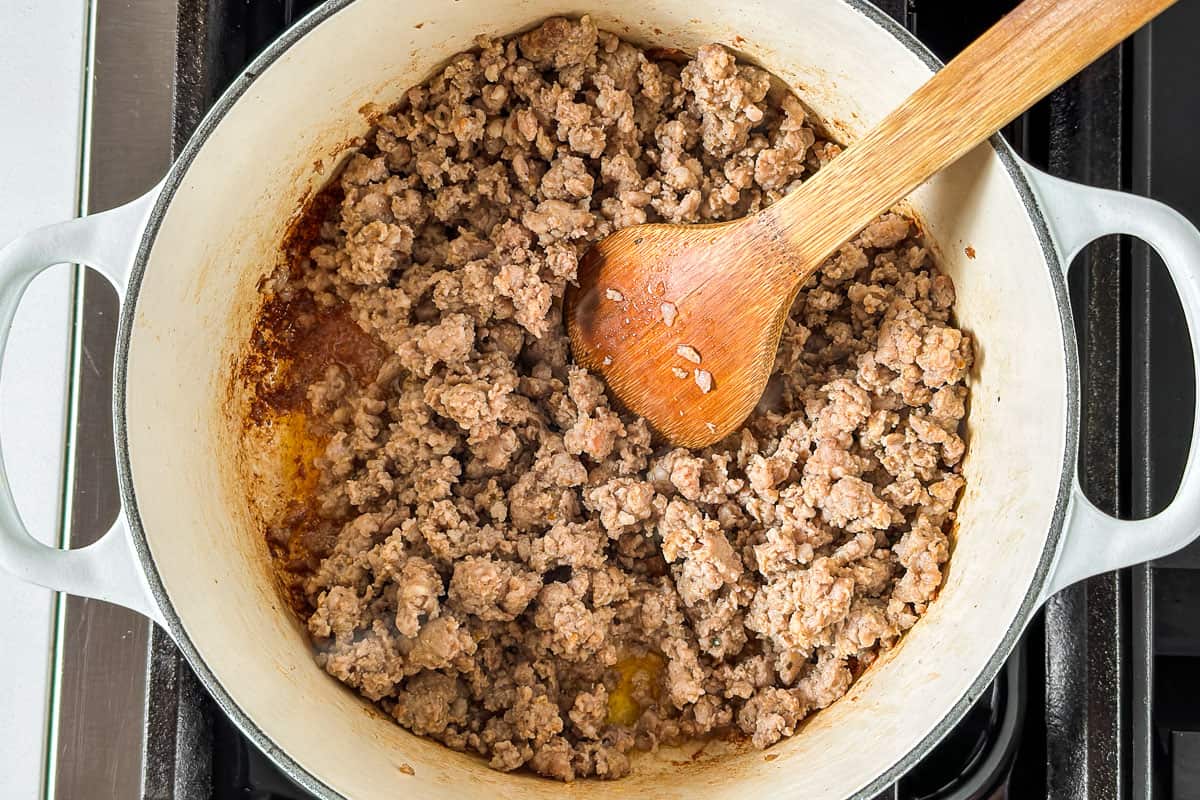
41, 75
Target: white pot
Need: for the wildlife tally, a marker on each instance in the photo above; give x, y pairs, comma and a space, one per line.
187, 256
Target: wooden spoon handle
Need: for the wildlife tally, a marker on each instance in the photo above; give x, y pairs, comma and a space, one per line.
1028, 53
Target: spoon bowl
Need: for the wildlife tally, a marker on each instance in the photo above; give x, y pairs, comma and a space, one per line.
686, 340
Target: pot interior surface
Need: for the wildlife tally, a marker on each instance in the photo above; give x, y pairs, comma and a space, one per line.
221, 233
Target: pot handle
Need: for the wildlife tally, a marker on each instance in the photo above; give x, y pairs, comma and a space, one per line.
1094, 542
107, 569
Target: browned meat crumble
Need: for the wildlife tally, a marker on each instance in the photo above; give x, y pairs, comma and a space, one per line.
496, 555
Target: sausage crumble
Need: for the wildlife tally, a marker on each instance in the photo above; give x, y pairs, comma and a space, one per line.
493, 552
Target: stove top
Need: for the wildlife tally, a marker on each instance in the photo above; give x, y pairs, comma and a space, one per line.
1097, 701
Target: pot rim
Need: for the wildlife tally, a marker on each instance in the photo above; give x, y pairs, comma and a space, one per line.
261, 739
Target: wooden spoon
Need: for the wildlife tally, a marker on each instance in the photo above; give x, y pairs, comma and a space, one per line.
651, 298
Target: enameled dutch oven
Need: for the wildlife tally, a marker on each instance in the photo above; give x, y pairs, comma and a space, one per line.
186, 259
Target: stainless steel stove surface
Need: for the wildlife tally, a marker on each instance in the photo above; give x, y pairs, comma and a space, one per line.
1098, 701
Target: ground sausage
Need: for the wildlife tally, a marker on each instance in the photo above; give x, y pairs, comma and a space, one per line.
521, 569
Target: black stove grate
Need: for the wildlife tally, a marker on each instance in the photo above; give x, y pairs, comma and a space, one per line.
1076, 713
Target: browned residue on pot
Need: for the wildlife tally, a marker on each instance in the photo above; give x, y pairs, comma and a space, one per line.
294, 342
293, 345
673, 54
